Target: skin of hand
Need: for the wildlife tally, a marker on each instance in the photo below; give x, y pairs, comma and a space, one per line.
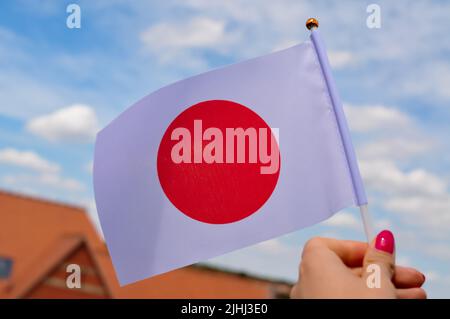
332, 268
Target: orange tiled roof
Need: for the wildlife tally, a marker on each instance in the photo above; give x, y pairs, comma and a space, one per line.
37, 234
32, 275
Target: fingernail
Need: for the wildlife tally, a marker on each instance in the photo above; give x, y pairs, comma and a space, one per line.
423, 277
385, 241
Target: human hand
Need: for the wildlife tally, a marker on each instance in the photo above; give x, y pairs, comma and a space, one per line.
332, 268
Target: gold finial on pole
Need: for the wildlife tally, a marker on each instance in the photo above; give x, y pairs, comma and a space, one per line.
312, 23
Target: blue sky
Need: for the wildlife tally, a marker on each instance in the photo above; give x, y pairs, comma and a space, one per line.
59, 86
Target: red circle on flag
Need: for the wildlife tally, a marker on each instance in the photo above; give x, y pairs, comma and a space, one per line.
211, 161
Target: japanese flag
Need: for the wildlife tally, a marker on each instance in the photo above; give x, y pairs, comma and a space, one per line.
224, 160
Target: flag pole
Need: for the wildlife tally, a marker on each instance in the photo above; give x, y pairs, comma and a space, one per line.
312, 24
367, 222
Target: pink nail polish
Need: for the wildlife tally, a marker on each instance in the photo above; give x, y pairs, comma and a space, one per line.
385, 241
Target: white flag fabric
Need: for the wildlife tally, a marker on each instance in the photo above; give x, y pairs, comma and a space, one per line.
223, 160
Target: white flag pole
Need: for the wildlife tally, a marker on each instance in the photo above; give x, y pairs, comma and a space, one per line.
312, 24
367, 222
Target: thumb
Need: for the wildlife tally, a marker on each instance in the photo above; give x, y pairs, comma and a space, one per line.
381, 252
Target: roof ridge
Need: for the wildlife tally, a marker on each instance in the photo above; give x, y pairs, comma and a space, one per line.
19, 287
35, 198
241, 273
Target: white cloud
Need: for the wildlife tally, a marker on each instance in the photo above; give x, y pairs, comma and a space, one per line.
385, 176
432, 276
341, 59
338, 59
48, 173
285, 44
174, 42
398, 68
39, 95
403, 260
75, 123
376, 117
51, 181
437, 283
274, 247
438, 250
348, 220
272, 258
261, 14
383, 223
89, 167
10, 44
434, 81
27, 159
344, 220
195, 33
430, 212
395, 148
57, 181
418, 197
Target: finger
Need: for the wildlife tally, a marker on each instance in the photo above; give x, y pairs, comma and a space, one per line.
381, 253
411, 293
404, 277
350, 252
